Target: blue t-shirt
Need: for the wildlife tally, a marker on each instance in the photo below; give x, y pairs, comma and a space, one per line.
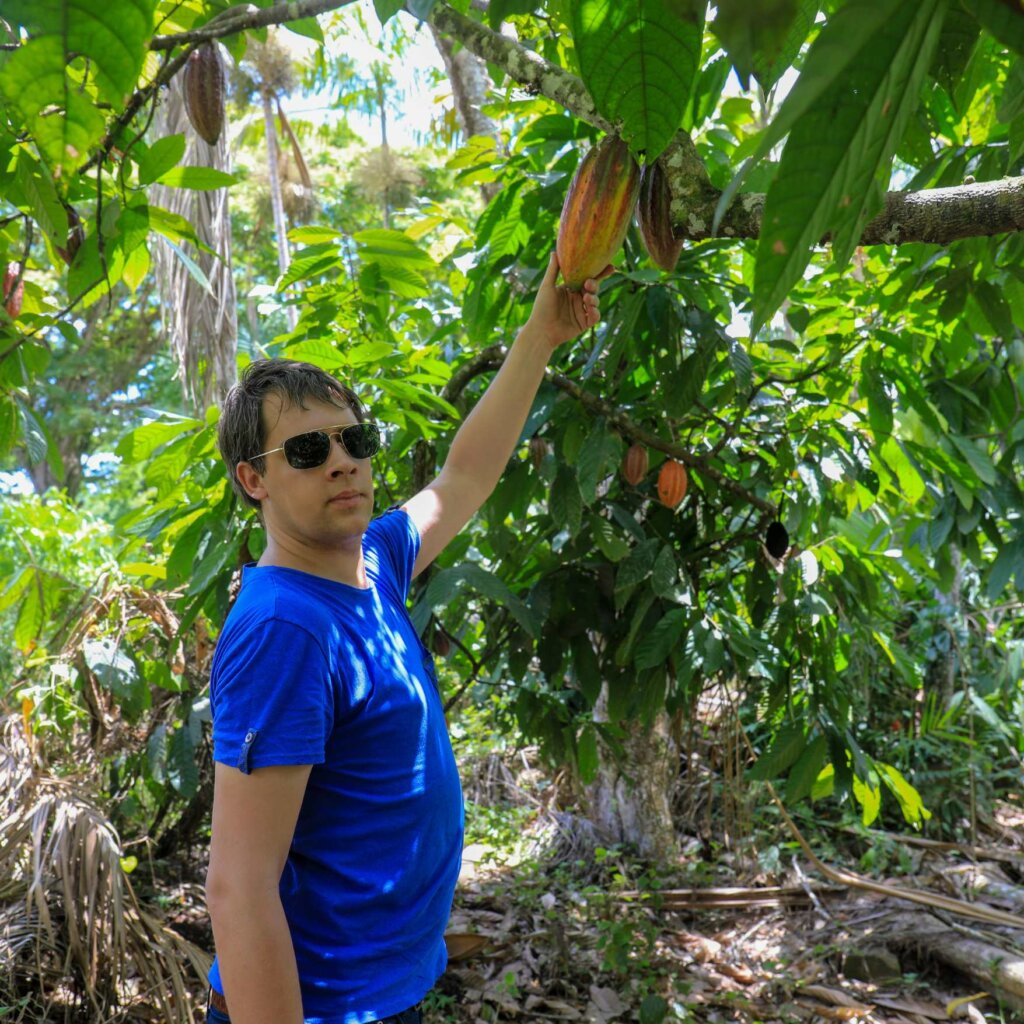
310, 671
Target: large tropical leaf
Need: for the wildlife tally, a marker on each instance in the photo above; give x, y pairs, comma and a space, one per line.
78, 53
1002, 18
836, 161
639, 60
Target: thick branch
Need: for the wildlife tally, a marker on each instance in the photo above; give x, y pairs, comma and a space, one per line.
520, 64
492, 357
238, 19
939, 215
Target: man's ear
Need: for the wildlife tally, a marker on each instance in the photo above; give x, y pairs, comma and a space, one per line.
251, 481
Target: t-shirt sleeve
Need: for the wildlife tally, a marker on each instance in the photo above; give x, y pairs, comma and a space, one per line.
271, 698
393, 542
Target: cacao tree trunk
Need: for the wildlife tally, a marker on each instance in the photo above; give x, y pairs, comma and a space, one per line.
276, 199
630, 801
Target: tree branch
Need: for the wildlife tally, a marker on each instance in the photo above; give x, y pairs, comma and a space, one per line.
493, 356
237, 19
938, 216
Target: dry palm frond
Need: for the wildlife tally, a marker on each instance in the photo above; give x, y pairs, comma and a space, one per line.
69, 911
202, 325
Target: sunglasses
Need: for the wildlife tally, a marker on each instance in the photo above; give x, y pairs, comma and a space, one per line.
309, 450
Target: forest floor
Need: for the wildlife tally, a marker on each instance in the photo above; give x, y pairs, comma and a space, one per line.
548, 925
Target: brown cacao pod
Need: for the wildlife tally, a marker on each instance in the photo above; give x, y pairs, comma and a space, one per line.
672, 483
203, 88
597, 210
634, 465
13, 294
76, 236
539, 449
653, 211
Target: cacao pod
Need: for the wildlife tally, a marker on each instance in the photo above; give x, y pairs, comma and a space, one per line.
654, 214
203, 88
634, 465
13, 294
672, 483
776, 539
597, 210
76, 236
539, 449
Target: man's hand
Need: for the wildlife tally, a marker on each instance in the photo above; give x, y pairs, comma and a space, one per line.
559, 314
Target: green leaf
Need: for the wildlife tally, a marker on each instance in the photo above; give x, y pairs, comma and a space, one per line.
608, 542
182, 771
659, 643
959, 35
78, 52
836, 161
164, 154
769, 68
30, 615
387, 9
565, 503
789, 744
586, 754
308, 27
639, 61
653, 1010
693, 372
199, 178
750, 31
870, 799
446, 585
806, 770
977, 458
193, 268
638, 566
665, 574
911, 804
1003, 19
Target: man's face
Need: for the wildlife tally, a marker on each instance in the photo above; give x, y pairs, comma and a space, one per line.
325, 507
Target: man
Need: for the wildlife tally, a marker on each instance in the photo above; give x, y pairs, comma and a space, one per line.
337, 810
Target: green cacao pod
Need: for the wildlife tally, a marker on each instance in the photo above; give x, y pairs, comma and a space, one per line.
203, 88
653, 211
597, 210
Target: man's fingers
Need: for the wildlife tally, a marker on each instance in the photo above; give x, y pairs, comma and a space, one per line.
551, 274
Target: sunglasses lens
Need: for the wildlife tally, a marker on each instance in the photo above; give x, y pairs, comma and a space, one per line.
361, 440
306, 451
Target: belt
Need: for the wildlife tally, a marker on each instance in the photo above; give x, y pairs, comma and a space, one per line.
218, 1002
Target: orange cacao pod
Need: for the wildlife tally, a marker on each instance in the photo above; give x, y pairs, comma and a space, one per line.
597, 210
539, 449
672, 483
653, 211
203, 88
13, 294
634, 465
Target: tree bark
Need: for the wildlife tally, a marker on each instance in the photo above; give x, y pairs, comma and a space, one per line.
630, 801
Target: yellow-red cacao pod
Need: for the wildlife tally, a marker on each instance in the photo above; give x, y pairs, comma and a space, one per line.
442, 645
672, 483
13, 293
539, 449
597, 210
634, 465
653, 212
203, 88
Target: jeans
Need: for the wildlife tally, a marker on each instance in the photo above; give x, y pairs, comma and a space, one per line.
413, 1016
